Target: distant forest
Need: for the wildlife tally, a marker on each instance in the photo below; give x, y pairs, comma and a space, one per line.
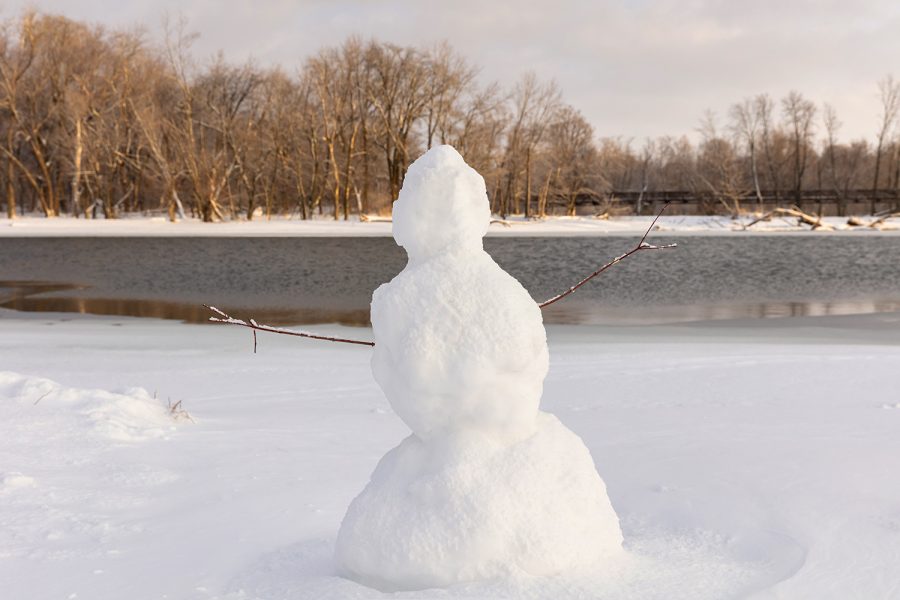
99, 122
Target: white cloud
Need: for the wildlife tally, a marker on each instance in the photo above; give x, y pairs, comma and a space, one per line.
640, 68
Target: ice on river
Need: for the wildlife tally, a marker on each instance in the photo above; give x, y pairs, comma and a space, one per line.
743, 461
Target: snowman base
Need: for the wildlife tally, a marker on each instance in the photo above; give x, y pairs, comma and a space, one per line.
467, 507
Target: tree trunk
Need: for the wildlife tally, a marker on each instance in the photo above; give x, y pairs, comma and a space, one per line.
48, 197
76, 175
365, 152
878, 151
755, 170
542, 196
347, 173
528, 184
798, 173
337, 180
774, 180
10, 184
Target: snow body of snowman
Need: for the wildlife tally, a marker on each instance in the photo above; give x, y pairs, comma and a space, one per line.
487, 485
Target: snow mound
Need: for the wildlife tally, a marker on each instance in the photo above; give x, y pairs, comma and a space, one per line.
15, 480
470, 508
130, 416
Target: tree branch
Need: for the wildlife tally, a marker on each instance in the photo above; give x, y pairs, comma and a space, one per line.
251, 324
641, 245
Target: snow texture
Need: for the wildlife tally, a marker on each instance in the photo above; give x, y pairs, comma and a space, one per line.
746, 459
486, 485
130, 416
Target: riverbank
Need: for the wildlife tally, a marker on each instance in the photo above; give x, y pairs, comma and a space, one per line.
743, 461
35, 226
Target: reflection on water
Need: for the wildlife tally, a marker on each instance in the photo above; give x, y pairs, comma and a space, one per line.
286, 281
30, 296
182, 311
715, 312
11, 291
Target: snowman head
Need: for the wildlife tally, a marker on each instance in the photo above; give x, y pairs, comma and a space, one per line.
442, 206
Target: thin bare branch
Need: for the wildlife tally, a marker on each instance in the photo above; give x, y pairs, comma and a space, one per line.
641, 245
229, 320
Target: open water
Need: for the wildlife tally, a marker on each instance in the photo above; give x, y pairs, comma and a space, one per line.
317, 280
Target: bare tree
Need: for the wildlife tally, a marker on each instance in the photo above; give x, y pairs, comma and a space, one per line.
230, 115
746, 123
396, 93
450, 79
645, 167
799, 114
533, 102
574, 155
15, 61
889, 97
717, 166
30, 114
764, 106
832, 125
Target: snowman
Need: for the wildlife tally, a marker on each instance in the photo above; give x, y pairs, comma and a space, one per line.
486, 485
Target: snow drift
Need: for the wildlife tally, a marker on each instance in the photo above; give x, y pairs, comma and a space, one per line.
130, 416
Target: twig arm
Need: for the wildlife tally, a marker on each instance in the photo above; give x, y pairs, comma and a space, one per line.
252, 324
641, 245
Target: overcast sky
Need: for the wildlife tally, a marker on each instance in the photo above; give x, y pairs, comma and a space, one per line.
635, 69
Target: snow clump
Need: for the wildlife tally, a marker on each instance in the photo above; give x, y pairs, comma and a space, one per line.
130, 416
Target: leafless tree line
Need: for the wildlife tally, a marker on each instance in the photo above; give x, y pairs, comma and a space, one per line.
102, 122
767, 151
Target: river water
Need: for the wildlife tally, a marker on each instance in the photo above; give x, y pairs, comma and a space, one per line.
316, 280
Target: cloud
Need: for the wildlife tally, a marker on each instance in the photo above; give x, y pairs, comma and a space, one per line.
635, 69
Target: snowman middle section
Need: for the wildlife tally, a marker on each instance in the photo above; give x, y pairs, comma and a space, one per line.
460, 346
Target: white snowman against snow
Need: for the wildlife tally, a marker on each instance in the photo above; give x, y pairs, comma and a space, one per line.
486, 485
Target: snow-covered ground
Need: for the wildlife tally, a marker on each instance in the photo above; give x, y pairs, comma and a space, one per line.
158, 226
744, 459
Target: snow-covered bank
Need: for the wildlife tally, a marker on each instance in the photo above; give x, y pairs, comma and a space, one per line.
758, 465
282, 227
